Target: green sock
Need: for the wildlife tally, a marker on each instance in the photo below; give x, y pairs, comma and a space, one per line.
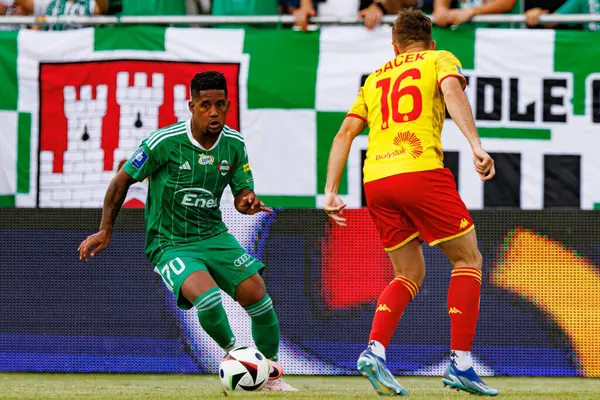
213, 318
265, 327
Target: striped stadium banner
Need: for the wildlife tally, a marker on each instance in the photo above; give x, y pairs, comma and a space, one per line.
75, 104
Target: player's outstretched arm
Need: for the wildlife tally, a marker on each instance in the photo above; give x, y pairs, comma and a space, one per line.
113, 200
351, 128
462, 115
246, 202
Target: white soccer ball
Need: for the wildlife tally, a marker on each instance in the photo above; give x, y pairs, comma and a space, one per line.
244, 368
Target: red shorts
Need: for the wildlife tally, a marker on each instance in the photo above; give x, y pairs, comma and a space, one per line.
422, 204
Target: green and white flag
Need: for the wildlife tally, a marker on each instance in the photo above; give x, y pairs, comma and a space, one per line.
15, 128
81, 101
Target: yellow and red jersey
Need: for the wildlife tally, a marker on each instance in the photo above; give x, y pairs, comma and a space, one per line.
402, 104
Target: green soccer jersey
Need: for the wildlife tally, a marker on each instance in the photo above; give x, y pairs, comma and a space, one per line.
59, 8
186, 184
582, 7
154, 7
244, 7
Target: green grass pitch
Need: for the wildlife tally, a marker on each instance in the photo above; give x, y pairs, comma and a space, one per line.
146, 387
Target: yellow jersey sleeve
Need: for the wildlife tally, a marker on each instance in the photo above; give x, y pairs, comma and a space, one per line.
447, 65
359, 108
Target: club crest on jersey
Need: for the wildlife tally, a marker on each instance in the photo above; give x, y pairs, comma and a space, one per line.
205, 159
224, 167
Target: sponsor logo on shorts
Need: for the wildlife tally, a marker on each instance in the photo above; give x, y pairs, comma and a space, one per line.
197, 197
139, 158
463, 223
454, 310
383, 307
240, 261
205, 159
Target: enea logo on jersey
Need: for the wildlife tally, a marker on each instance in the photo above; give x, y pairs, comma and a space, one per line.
139, 158
197, 197
205, 159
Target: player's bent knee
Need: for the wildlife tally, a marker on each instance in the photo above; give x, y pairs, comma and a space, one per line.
471, 258
250, 291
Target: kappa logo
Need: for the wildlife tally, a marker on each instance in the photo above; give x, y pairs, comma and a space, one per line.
464, 223
383, 307
454, 310
205, 159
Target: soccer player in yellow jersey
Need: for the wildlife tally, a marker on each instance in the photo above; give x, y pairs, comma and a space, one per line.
411, 196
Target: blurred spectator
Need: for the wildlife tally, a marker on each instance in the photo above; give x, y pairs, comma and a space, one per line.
290, 6
532, 16
4, 6
7, 8
370, 11
443, 15
40, 8
153, 7
245, 7
195, 7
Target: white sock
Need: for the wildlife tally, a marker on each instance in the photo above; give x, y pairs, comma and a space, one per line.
461, 359
377, 348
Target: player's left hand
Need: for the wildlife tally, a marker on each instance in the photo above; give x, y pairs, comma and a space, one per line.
94, 244
251, 205
460, 16
372, 16
484, 164
334, 208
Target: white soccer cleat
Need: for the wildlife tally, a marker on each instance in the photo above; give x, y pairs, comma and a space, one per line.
276, 382
279, 385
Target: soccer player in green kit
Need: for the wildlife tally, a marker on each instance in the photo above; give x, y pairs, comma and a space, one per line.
189, 164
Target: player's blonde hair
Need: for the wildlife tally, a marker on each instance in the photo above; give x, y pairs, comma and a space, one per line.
411, 26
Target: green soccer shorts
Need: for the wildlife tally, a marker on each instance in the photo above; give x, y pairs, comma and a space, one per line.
221, 256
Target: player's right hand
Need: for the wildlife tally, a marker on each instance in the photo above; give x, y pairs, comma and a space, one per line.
334, 208
532, 17
93, 245
484, 164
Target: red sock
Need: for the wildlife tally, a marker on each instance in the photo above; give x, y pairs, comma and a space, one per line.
390, 307
463, 306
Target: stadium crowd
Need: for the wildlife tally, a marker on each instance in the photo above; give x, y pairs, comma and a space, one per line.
370, 12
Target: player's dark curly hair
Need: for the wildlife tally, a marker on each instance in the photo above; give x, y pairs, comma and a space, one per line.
208, 80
